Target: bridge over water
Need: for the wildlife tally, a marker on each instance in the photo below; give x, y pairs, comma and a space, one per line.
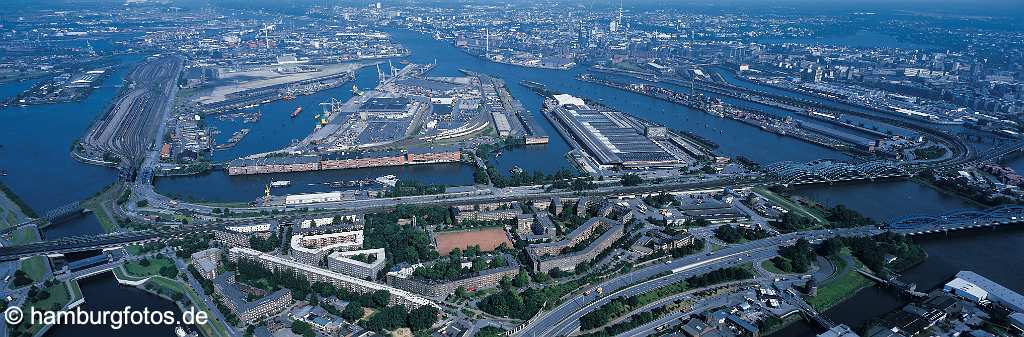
64, 212
830, 171
958, 220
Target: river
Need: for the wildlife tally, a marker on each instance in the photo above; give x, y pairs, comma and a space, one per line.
986, 251
37, 139
734, 138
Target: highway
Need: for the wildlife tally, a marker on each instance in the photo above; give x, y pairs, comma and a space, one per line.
564, 319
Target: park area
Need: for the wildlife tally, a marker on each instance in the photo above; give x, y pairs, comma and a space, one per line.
488, 239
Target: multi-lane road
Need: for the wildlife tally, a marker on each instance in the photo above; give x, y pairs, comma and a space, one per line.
564, 319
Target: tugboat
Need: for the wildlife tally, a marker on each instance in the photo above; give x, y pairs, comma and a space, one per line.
296, 112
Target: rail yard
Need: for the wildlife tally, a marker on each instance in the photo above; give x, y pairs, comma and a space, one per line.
123, 134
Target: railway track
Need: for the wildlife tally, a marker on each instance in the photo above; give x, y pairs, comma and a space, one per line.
127, 129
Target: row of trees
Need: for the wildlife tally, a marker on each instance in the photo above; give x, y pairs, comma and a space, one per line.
621, 306
631, 179
404, 188
393, 317
661, 200
511, 303
734, 234
520, 178
450, 268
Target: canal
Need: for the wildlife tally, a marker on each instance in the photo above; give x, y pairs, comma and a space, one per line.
103, 293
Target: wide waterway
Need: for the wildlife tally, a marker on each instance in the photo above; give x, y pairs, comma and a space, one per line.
37, 139
734, 138
988, 252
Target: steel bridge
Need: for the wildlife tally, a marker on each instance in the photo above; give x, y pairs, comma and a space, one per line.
957, 220
829, 171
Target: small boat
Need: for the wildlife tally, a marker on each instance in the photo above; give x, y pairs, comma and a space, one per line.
356, 91
296, 112
389, 180
281, 183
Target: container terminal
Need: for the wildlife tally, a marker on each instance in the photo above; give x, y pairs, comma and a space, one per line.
408, 118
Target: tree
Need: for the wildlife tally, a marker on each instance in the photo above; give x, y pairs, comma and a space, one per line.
302, 328
169, 272
461, 293
422, 318
472, 251
380, 298
387, 318
830, 247
631, 179
353, 312
21, 279
521, 280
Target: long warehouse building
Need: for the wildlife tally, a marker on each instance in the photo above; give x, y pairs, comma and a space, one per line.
608, 136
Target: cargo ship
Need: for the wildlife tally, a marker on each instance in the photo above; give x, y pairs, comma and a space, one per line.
296, 112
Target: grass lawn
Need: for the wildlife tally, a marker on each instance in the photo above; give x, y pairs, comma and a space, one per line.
58, 297
35, 267
133, 249
9, 219
123, 275
24, 235
716, 247
106, 221
214, 327
771, 268
74, 290
841, 287
792, 206
96, 205
134, 268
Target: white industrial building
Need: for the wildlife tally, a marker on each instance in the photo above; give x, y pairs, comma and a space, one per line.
977, 288
298, 199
